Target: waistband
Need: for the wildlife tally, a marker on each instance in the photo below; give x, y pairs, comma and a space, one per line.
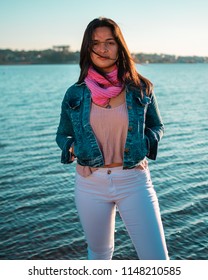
105, 169
112, 170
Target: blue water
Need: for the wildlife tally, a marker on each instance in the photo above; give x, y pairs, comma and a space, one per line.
37, 211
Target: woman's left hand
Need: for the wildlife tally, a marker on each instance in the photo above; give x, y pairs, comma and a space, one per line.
143, 165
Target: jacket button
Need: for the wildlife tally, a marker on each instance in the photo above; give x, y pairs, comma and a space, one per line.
109, 171
129, 107
130, 128
126, 150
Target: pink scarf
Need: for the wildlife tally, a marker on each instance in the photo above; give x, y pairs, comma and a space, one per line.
101, 89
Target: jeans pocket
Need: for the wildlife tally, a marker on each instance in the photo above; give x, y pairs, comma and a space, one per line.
145, 174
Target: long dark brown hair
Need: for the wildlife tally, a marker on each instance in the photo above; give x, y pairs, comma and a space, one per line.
127, 72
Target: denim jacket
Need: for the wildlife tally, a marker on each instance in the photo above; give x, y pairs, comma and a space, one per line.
145, 128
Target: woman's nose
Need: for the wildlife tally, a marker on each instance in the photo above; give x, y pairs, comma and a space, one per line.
103, 47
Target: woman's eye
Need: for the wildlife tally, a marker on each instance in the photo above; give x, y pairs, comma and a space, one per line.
107, 44
111, 43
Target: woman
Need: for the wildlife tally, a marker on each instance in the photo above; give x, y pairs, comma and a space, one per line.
110, 122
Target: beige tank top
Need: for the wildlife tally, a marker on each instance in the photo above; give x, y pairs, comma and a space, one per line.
110, 128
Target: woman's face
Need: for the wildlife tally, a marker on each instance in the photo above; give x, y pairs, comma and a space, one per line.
104, 52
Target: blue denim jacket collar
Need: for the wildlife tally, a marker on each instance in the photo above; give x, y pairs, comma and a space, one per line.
144, 100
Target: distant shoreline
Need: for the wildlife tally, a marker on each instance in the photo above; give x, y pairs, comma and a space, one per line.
54, 56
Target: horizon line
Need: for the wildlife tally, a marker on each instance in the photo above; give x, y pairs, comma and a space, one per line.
132, 53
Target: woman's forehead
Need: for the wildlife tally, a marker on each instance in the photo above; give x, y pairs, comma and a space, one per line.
101, 33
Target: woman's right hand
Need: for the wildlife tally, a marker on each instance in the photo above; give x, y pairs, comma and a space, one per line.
71, 150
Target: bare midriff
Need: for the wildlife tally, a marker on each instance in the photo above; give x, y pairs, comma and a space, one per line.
112, 165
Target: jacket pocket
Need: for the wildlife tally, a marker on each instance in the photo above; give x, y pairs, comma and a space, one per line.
143, 101
74, 104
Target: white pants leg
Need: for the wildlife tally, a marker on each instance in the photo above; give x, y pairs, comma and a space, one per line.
132, 192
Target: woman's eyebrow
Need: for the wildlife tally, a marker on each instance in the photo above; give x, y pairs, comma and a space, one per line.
108, 39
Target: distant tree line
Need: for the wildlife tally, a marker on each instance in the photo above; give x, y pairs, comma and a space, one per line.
49, 56
54, 56
165, 58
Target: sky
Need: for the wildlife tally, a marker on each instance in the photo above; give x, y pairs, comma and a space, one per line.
176, 27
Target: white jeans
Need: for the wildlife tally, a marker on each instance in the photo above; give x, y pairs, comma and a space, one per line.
131, 190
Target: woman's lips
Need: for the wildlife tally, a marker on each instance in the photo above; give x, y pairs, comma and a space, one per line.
103, 57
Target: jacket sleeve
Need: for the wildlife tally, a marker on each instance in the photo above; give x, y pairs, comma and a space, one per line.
154, 127
65, 133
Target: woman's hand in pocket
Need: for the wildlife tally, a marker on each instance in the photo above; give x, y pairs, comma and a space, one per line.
143, 165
